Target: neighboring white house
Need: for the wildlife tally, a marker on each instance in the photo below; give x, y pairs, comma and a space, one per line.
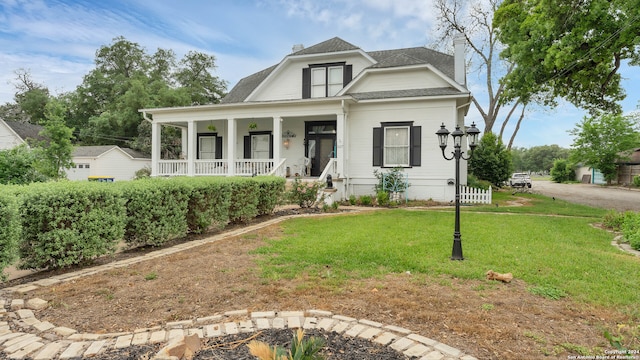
14, 133
106, 160
331, 108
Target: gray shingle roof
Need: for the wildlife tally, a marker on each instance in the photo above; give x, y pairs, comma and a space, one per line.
97, 150
391, 94
384, 59
332, 45
26, 130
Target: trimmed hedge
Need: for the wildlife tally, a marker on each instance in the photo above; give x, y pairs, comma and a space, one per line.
9, 230
156, 210
61, 224
69, 223
209, 202
271, 193
245, 195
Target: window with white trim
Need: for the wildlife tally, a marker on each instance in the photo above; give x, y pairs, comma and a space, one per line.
396, 146
323, 80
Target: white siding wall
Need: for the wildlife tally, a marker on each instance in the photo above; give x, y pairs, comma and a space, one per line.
114, 163
8, 139
288, 85
417, 78
428, 180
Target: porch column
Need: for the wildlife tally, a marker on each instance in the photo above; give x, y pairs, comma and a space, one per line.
232, 125
191, 147
277, 139
184, 144
340, 155
156, 130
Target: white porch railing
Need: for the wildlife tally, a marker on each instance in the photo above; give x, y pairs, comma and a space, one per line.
331, 168
220, 167
211, 167
173, 168
469, 195
279, 170
250, 167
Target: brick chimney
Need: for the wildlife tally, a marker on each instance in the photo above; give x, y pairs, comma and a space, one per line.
460, 71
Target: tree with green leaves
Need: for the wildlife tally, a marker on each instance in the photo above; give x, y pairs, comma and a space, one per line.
474, 21
55, 152
569, 48
126, 78
491, 161
599, 142
562, 171
30, 99
18, 166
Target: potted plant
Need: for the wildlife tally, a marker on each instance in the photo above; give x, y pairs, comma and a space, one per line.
211, 127
253, 125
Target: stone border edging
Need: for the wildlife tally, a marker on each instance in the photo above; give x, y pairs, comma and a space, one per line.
23, 335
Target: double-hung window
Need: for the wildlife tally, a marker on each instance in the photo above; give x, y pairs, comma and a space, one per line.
209, 146
323, 80
397, 144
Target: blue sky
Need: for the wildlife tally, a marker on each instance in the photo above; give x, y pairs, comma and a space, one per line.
57, 40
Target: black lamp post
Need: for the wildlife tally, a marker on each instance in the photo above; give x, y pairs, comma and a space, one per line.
443, 137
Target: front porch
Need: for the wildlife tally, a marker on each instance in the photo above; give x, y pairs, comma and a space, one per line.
217, 141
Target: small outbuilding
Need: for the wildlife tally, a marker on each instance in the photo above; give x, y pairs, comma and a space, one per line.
106, 161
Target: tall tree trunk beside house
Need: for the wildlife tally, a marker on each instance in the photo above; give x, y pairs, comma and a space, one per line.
474, 20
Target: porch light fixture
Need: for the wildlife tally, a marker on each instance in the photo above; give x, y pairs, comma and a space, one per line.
457, 154
287, 135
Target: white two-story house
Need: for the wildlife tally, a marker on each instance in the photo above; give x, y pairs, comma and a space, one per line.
331, 108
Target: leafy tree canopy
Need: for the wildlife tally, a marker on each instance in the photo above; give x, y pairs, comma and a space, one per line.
569, 48
601, 141
537, 158
491, 161
126, 78
55, 152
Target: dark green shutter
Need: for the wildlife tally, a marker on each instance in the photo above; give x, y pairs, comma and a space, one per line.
218, 147
416, 145
347, 74
270, 146
247, 147
377, 146
306, 83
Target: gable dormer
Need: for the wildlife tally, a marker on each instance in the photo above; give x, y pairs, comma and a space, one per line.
324, 80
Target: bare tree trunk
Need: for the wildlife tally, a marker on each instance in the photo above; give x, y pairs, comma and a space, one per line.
504, 123
515, 132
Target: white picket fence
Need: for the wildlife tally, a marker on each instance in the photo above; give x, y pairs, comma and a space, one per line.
469, 195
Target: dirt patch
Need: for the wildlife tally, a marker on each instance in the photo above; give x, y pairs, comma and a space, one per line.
487, 319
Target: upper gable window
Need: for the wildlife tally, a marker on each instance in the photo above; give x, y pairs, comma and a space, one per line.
323, 80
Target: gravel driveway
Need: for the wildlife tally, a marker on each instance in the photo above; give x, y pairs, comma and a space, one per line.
617, 198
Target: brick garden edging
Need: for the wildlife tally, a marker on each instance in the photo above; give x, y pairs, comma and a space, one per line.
23, 335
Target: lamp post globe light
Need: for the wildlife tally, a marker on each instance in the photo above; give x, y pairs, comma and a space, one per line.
457, 154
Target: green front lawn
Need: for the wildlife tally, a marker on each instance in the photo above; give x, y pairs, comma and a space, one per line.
555, 253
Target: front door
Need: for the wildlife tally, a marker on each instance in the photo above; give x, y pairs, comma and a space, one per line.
321, 144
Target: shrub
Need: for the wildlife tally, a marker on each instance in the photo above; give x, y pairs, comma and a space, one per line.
631, 229
9, 231
393, 180
209, 202
562, 171
156, 210
613, 220
245, 196
474, 182
383, 198
636, 181
271, 193
304, 193
366, 200
352, 200
69, 223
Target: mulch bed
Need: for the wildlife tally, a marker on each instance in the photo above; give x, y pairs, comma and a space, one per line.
234, 347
